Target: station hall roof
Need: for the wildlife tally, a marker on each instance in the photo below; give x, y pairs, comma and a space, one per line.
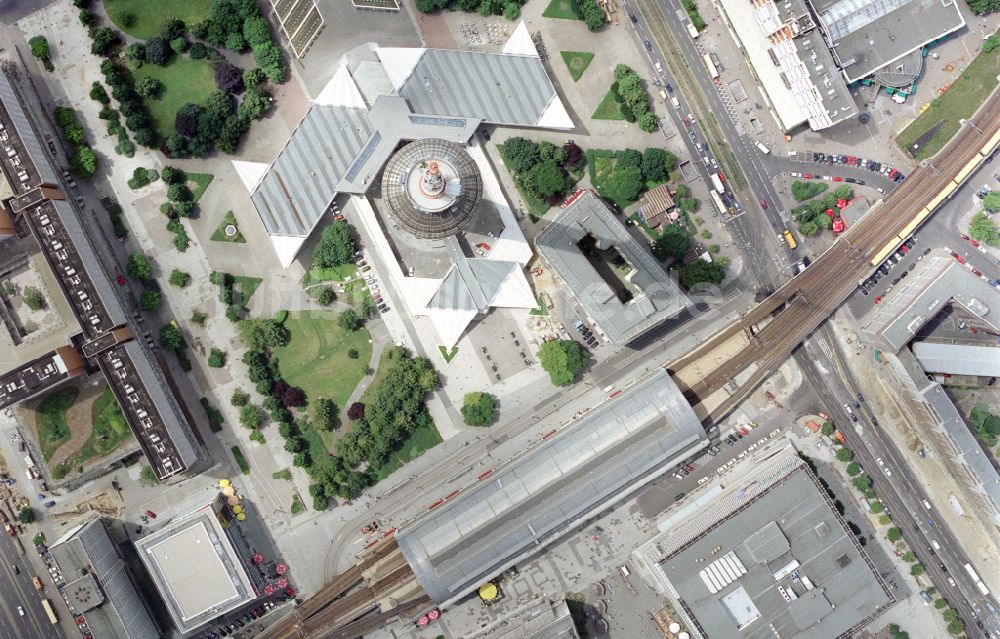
522, 506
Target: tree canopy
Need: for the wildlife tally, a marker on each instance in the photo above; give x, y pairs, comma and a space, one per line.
478, 409
138, 268
563, 360
673, 242
702, 272
520, 154
335, 246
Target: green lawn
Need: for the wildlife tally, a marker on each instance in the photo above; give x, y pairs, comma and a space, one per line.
332, 274
246, 286
316, 358
284, 473
220, 233
577, 62
446, 354
563, 9
50, 419
201, 182
109, 429
149, 15
941, 120
541, 310
608, 109
297, 505
420, 440
184, 80
241, 461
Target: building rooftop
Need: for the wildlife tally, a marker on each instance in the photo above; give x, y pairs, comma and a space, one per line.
543, 618
958, 359
527, 503
98, 584
868, 35
195, 569
937, 281
432, 188
776, 561
793, 65
624, 299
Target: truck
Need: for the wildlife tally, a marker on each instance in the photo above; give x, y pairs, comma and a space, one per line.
788, 238
692, 31
37, 583
760, 146
717, 183
50, 612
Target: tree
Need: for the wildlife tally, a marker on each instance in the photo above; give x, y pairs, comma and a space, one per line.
179, 45
26, 515
992, 425
984, 229
956, 627
251, 416
40, 47
511, 11
253, 78
894, 534
478, 409
171, 338
625, 185
256, 31
103, 39
148, 87
520, 154
808, 229
98, 94
992, 201
940, 603
348, 320
83, 163
172, 175
563, 360
827, 429
845, 454
255, 104
335, 247
150, 300
853, 469
548, 179
657, 164
268, 57
356, 411
217, 358
258, 335
701, 272
673, 242
991, 43
157, 51
324, 414
647, 122
33, 298
293, 397
910, 557
239, 398
179, 278
591, 14
862, 482
138, 268
326, 296
916, 570
179, 193
843, 192
876, 507
229, 78
186, 120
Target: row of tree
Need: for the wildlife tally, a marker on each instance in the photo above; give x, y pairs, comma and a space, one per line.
130, 104
632, 98
632, 172
812, 217
238, 25
510, 9
83, 161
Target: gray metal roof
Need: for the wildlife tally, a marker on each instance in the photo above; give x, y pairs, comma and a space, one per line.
123, 613
540, 619
470, 284
972, 465
866, 35
958, 359
659, 296
917, 299
501, 89
805, 529
522, 506
24, 129
300, 184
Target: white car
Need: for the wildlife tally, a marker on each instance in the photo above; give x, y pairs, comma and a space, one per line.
887, 473
878, 460
795, 174
20, 611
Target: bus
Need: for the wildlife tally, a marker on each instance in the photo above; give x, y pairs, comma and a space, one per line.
692, 31
718, 202
712, 71
48, 610
976, 580
788, 238
717, 183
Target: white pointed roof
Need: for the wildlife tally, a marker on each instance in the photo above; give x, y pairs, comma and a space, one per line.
555, 116
399, 62
341, 91
515, 292
251, 173
450, 324
287, 247
519, 42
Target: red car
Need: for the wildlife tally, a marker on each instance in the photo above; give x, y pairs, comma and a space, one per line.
763, 204
151, 514
878, 299
807, 176
837, 178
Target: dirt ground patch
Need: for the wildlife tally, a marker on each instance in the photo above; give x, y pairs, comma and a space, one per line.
78, 419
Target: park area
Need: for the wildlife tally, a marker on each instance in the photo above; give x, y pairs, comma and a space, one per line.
317, 358
142, 19
184, 80
940, 121
577, 62
73, 428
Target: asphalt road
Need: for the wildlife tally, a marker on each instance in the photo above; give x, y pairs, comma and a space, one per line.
900, 492
17, 590
764, 259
